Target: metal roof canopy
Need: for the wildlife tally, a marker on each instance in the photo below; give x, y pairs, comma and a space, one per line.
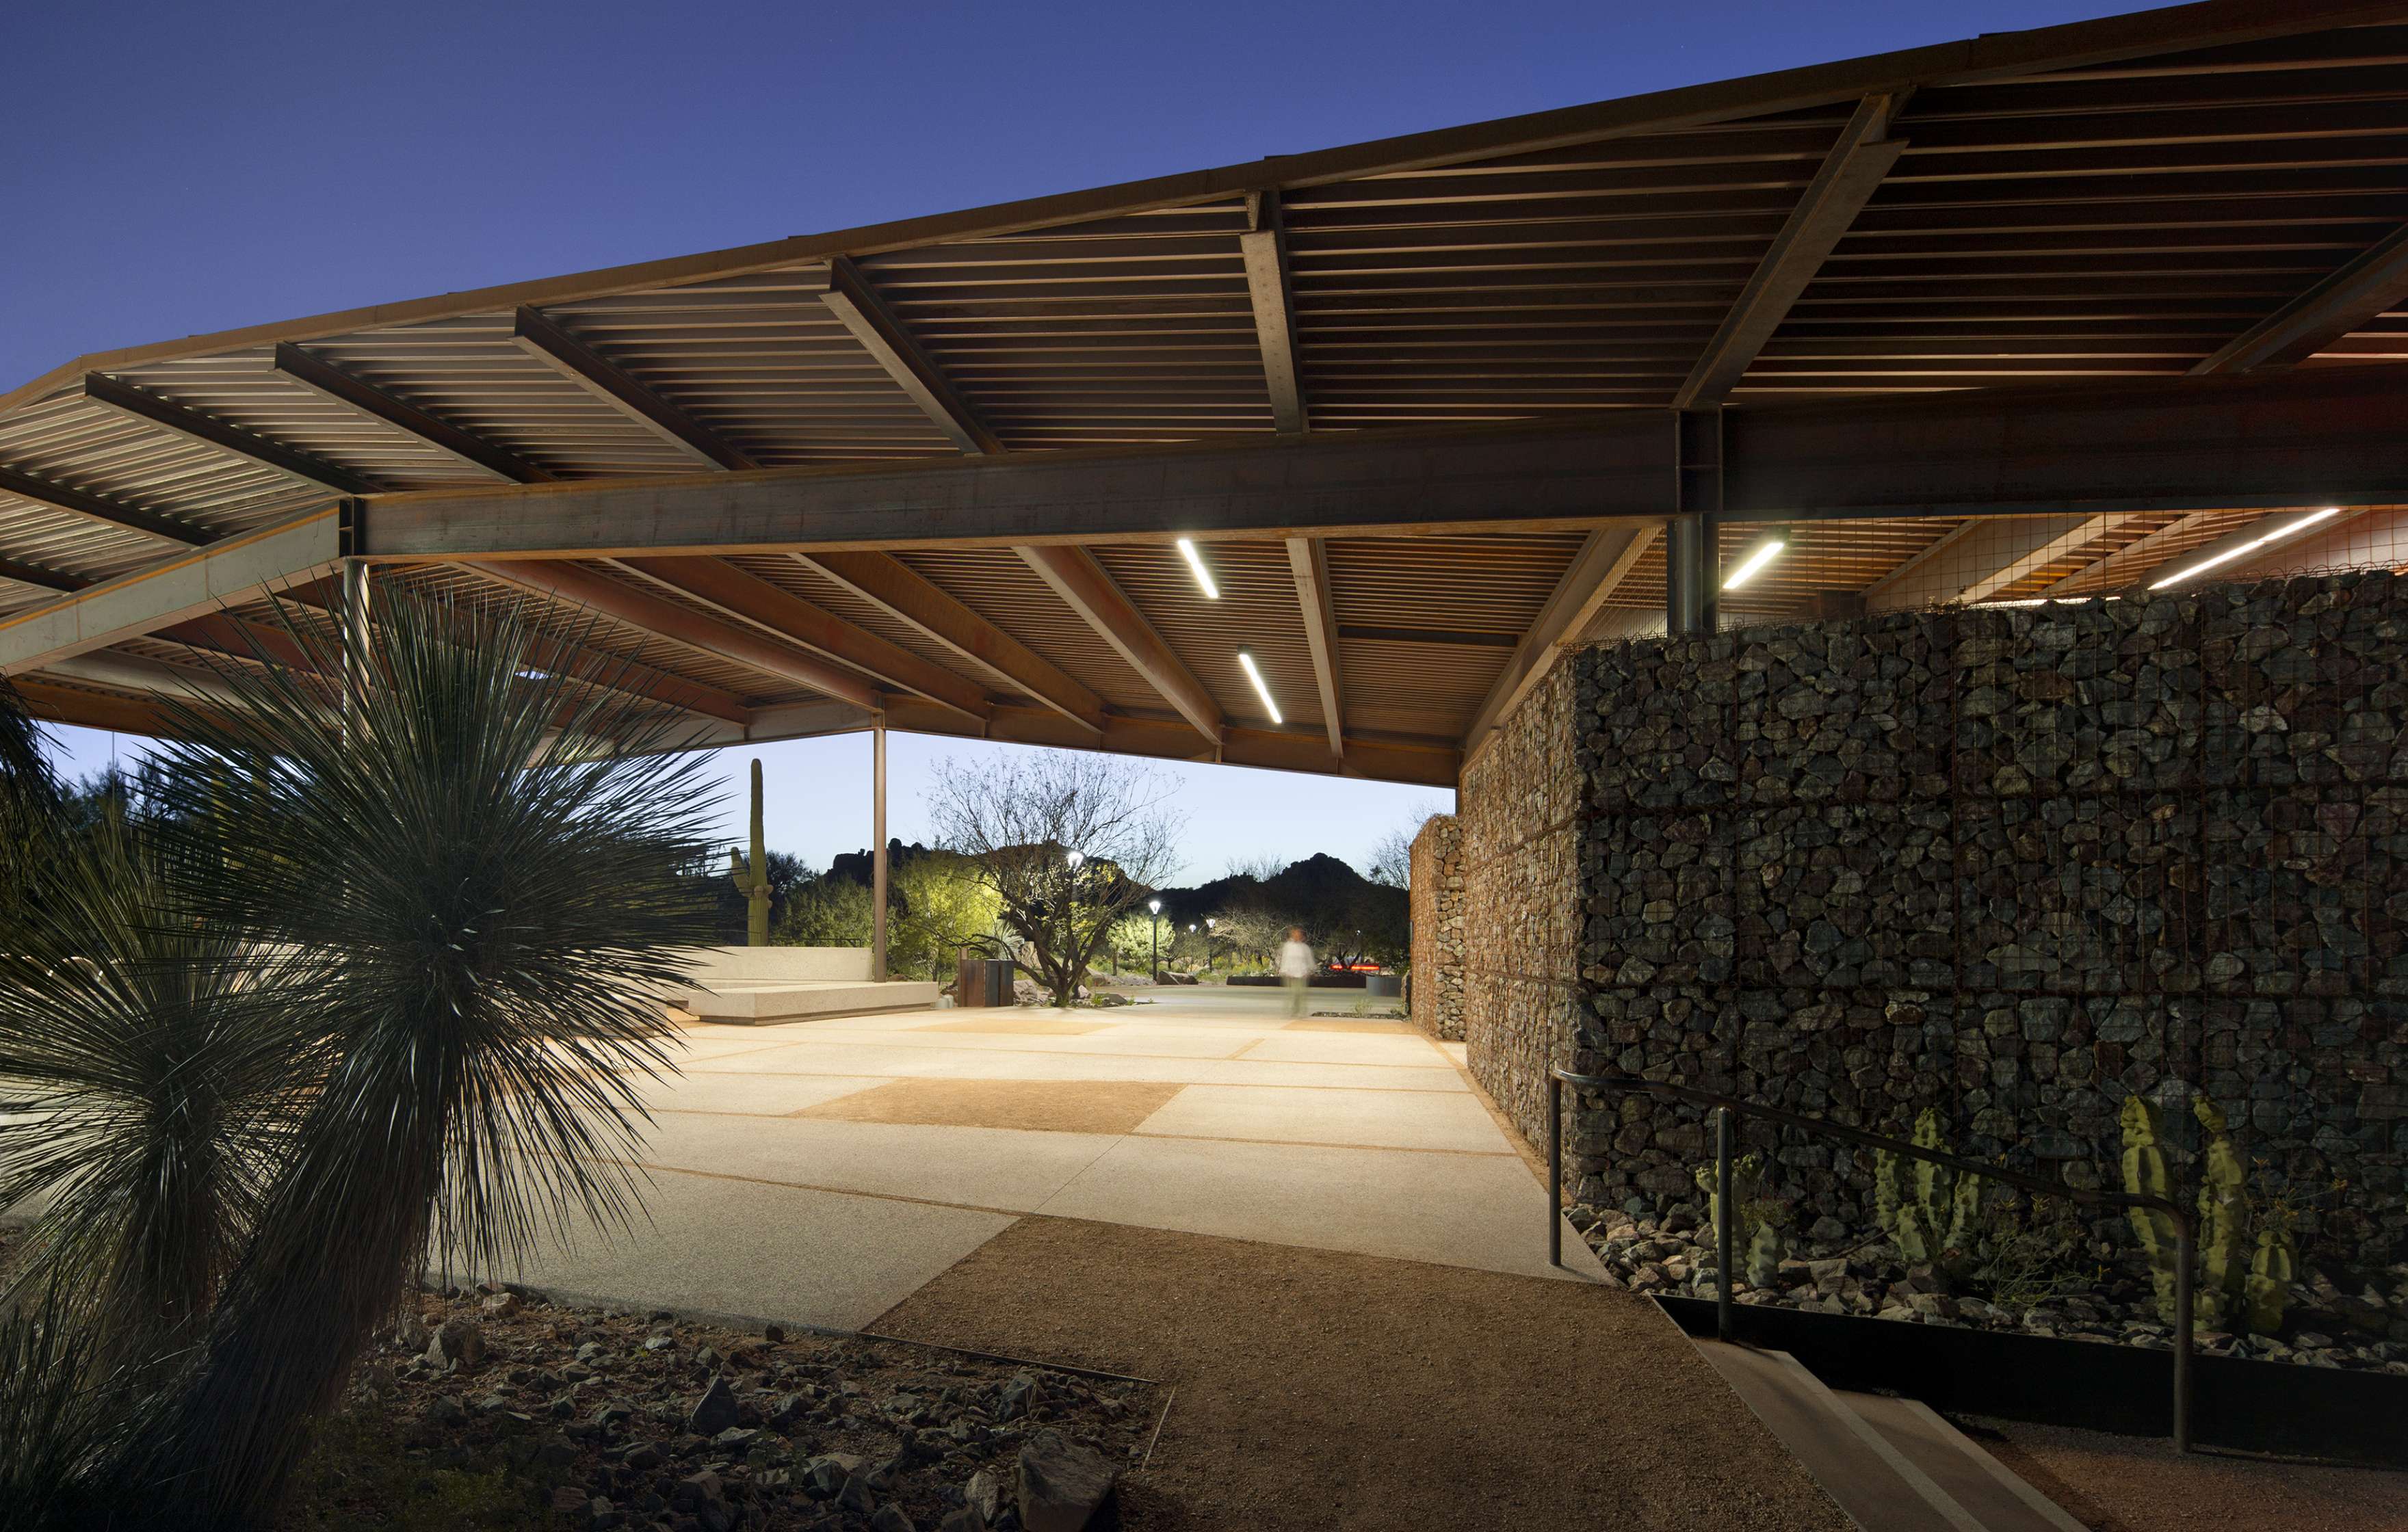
1420, 405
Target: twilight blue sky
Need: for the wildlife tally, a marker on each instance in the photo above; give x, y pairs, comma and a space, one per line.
176, 169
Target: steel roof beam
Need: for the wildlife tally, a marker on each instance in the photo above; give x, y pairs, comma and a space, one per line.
747, 598
1087, 590
2138, 553
329, 381
540, 337
1596, 571
895, 588
2363, 290
200, 425
40, 578
1848, 178
2271, 439
2031, 561
1264, 245
99, 509
1308, 563
176, 590
851, 299
746, 646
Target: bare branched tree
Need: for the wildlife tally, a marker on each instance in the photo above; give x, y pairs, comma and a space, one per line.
1068, 843
1392, 858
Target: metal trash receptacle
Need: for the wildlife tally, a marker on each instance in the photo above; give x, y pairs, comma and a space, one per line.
983, 982
1388, 984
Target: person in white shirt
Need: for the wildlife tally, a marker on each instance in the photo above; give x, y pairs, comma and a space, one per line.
1296, 966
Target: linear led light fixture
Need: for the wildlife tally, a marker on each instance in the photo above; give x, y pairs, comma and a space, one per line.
1195, 561
1262, 690
2252, 546
1752, 566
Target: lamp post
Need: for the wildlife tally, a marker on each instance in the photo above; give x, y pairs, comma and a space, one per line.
1070, 922
1153, 928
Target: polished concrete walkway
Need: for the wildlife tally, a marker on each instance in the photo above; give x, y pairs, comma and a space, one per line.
822, 1172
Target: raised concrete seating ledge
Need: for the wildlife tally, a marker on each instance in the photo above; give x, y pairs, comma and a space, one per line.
758, 987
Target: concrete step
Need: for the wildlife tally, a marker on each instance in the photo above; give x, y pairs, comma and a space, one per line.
1984, 1486
1892, 1465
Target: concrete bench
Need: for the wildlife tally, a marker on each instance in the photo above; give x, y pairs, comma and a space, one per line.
758, 987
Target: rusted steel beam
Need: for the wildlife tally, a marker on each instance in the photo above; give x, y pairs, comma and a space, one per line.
747, 598
1087, 590
329, 381
903, 593
656, 614
540, 337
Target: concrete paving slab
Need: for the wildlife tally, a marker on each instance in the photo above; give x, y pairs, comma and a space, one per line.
1001, 1168
740, 1247
1165, 1042
755, 1095
1408, 1050
1429, 1120
1484, 1211
995, 1065
818, 1058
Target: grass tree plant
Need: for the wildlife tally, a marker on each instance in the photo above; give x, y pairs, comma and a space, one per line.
451, 878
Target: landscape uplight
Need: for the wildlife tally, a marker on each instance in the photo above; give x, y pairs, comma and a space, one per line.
2252, 546
1261, 690
1752, 566
1195, 561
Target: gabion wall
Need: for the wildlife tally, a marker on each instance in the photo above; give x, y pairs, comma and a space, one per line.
1519, 807
1436, 887
2015, 864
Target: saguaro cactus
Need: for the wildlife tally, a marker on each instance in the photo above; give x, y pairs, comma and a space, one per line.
751, 878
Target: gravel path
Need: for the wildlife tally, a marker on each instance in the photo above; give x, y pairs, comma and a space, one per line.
1330, 1391
2137, 1484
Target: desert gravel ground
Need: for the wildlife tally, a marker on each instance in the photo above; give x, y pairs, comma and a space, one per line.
2136, 1484
1326, 1391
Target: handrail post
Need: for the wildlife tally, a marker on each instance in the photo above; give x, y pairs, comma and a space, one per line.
1726, 1215
2186, 1257
1555, 1170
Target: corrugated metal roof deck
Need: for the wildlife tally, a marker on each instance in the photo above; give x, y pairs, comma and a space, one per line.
2112, 200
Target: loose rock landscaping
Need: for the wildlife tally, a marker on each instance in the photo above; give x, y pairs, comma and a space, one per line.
489, 1407
2361, 1323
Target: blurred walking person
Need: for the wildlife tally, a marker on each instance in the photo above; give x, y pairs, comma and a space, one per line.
1296, 963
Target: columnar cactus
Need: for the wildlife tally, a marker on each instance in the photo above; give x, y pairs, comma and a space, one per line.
2145, 1175
2224, 1219
1932, 1214
2269, 1283
751, 878
1765, 1246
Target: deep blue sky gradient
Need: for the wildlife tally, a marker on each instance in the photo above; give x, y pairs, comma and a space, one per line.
182, 168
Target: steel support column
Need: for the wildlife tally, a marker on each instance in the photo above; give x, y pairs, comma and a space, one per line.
1690, 573
878, 850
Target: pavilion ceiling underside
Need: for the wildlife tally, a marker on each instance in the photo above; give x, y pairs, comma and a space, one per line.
2077, 225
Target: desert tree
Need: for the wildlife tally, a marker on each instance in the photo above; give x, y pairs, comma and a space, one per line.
1068, 842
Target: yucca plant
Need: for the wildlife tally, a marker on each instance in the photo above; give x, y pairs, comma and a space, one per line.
29, 805
466, 868
149, 1073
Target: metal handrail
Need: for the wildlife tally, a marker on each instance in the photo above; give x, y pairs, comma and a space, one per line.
1727, 1106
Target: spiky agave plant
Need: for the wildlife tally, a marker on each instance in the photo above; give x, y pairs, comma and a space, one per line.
472, 865
149, 1074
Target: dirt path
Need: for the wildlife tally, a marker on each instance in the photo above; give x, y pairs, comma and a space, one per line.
1333, 1390
2137, 1484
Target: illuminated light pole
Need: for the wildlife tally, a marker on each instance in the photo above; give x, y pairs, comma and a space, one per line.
1071, 924
1154, 927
